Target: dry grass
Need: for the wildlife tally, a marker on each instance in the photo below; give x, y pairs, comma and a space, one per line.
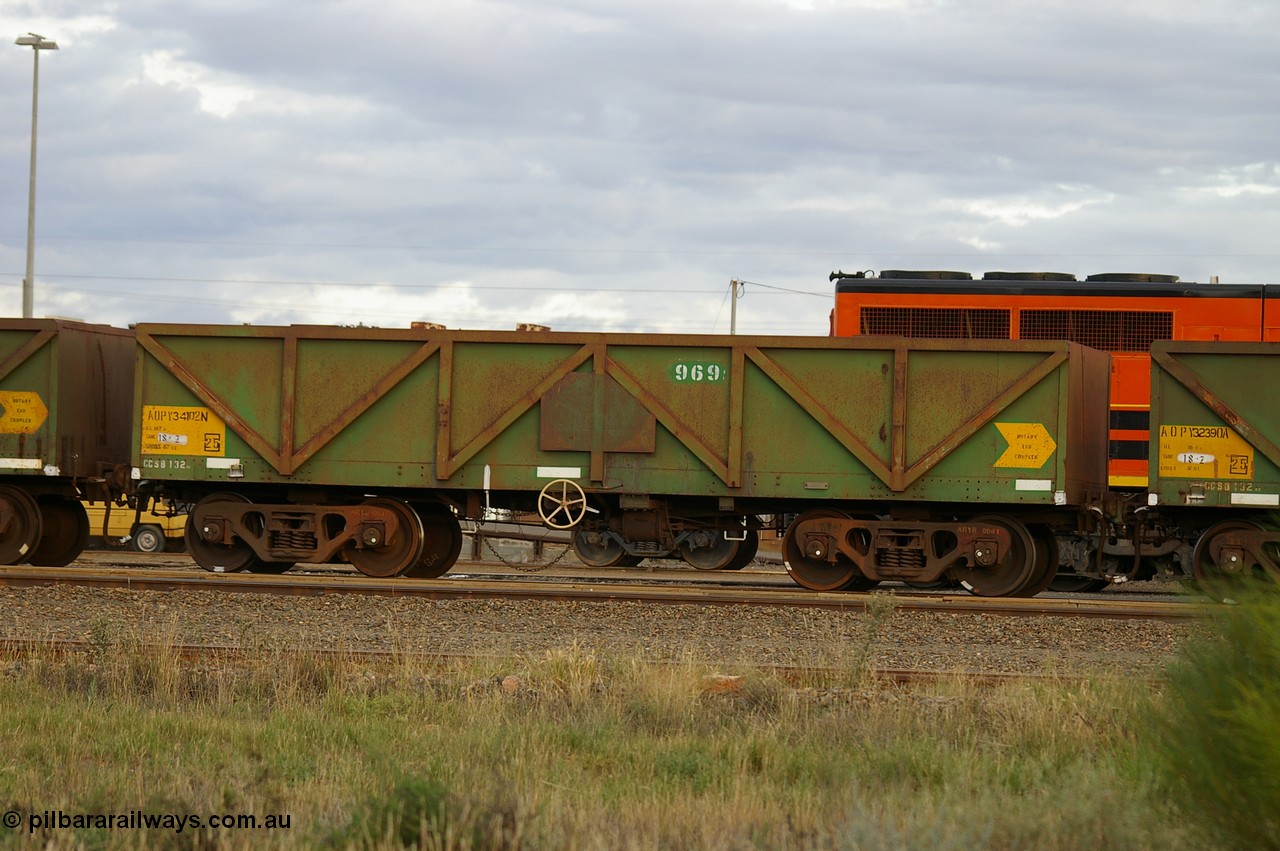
569, 750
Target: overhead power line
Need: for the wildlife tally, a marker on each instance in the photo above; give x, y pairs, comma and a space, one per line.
846, 251
424, 287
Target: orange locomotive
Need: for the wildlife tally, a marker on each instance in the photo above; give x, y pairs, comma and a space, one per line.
1117, 313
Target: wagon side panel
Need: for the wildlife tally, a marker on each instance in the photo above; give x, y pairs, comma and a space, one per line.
767, 417
1215, 435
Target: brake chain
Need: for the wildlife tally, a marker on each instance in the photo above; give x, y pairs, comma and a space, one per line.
525, 568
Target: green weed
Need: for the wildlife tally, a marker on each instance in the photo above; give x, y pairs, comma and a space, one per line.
1214, 730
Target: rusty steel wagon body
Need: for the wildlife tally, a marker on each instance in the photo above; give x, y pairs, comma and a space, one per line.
1215, 454
65, 391
904, 459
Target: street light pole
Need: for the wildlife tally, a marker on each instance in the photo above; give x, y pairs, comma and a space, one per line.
37, 43
734, 286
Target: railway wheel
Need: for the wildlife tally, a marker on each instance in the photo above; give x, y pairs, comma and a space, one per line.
747, 551
1223, 557
271, 568
709, 549
938, 584
811, 569
398, 552
1068, 583
596, 549
213, 555
441, 542
1012, 572
1046, 564
64, 530
20, 525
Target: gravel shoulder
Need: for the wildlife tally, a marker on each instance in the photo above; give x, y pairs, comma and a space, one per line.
723, 635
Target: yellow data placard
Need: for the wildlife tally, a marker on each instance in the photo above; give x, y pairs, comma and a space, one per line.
1030, 445
1204, 452
175, 430
21, 411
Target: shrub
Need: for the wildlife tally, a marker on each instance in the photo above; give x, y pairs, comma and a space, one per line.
422, 813
1217, 727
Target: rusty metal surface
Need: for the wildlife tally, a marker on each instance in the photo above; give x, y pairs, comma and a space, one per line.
64, 388
1215, 424
764, 417
619, 423
284, 533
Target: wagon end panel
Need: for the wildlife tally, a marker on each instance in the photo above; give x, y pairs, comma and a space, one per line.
95, 386
64, 388
1089, 430
1215, 424
897, 419
28, 388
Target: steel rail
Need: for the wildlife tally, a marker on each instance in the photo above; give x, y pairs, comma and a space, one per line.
467, 588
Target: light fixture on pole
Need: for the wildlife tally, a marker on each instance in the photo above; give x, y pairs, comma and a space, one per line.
37, 43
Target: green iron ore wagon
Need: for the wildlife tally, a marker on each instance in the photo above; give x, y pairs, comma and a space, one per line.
64, 433
910, 459
1215, 426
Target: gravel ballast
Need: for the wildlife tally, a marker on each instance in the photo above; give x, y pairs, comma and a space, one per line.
725, 635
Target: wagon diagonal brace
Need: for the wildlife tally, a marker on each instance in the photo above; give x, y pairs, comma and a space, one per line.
1191, 380
25, 351
899, 476
284, 459
729, 466
447, 462
353, 411
728, 469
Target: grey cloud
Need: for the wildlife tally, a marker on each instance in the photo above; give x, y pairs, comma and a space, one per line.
608, 151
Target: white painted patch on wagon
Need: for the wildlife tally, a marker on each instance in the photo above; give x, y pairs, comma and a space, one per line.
559, 472
1255, 499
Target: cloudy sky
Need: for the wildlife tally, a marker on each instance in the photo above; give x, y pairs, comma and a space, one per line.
595, 165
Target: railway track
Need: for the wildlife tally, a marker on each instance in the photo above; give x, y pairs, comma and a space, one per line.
172, 576
22, 648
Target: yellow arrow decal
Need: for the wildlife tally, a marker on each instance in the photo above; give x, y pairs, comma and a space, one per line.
1029, 445
21, 411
